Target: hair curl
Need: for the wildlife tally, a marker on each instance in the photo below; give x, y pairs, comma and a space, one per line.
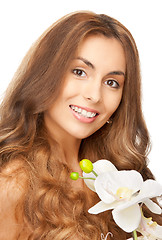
51, 207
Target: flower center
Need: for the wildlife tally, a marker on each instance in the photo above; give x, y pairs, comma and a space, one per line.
124, 193
151, 223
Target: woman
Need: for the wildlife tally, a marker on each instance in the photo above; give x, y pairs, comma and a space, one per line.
76, 95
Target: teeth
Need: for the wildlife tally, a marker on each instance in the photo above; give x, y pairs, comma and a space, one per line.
93, 114
89, 114
83, 112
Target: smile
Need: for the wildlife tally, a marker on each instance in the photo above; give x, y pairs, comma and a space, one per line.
83, 112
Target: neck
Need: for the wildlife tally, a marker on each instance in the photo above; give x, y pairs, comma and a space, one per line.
70, 149
69, 146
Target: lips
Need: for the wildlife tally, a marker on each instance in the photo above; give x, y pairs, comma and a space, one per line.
85, 115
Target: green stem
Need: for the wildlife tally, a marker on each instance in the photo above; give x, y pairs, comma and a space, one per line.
94, 173
87, 178
135, 235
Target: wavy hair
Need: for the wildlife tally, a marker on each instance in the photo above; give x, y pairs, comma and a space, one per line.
51, 207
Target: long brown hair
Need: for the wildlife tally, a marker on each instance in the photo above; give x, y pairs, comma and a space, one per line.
52, 211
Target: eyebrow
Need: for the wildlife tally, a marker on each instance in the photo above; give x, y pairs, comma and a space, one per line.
89, 64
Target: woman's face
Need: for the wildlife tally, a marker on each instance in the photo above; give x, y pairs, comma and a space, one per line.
92, 89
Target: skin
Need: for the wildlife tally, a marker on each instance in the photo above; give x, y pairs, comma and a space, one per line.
94, 82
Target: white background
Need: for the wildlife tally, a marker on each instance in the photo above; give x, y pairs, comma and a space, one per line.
22, 22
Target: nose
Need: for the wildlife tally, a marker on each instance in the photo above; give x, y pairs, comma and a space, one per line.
92, 91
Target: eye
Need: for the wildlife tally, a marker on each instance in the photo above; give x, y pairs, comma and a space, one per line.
112, 83
79, 72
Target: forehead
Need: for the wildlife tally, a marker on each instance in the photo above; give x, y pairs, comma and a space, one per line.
103, 50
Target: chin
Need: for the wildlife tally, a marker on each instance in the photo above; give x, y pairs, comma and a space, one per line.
82, 136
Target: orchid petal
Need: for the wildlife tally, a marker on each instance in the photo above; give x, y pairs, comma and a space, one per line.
128, 219
130, 179
154, 233
98, 208
90, 182
103, 190
157, 232
102, 207
102, 166
99, 167
153, 207
151, 189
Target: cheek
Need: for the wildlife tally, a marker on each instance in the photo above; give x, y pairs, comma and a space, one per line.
112, 103
70, 88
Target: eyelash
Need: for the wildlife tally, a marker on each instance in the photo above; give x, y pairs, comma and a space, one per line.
112, 82
78, 72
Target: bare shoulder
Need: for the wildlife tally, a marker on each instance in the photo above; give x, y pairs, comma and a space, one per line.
13, 186
13, 182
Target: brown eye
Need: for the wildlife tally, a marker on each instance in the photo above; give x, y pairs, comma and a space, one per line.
79, 72
112, 83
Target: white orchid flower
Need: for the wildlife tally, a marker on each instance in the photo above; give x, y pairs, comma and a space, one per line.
149, 229
122, 191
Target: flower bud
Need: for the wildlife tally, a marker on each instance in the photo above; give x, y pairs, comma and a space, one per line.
74, 175
86, 165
